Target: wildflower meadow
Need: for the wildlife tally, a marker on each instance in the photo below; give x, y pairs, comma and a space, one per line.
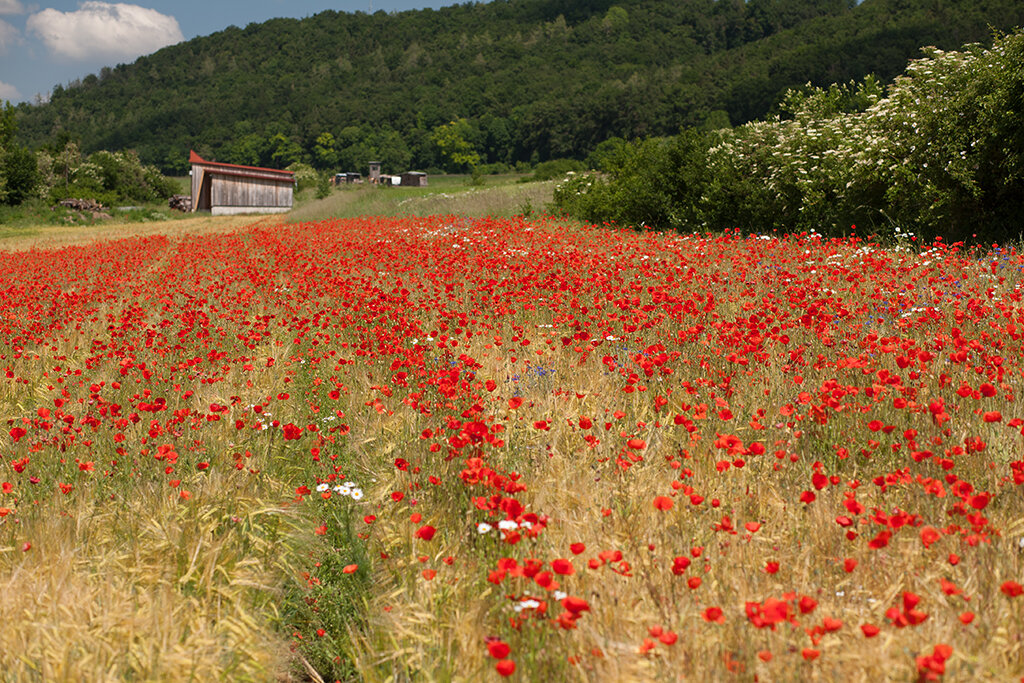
471, 449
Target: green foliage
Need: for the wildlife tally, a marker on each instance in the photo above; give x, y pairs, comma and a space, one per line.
19, 172
305, 175
655, 183
533, 79
818, 103
19, 175
453, 143
325, 154
111, 178
942, 154
608, 156
323, 185
8, 125
284, 150
493, 169
556, 168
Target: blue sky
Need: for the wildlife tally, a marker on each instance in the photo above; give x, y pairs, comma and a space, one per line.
56, 41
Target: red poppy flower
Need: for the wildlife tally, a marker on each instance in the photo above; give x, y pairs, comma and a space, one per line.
870, 630
663, 503
714, 614
563, 567
498, 649
1012, 589
505, 667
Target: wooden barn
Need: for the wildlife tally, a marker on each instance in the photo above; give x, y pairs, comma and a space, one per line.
225, 189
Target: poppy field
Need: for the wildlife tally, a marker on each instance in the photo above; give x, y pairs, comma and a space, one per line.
473, 449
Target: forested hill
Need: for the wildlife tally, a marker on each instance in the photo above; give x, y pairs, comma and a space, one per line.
525, 80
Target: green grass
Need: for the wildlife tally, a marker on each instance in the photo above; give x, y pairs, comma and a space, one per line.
25, 218
499, 195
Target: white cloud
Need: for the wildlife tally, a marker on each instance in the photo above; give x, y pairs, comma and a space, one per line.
9, 36
104, 30
9, 92
11, 7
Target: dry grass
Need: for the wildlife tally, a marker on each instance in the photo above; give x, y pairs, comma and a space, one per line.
56, 237
147, 588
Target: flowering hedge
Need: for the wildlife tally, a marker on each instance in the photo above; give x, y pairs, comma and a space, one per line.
940, 153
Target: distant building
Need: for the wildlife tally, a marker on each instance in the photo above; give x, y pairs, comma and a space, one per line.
347, 178
374, 172
414, 179
226, 189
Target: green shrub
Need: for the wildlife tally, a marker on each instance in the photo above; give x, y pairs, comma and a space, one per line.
654, 182
556, 168
608, 156
323, 185
493, 169
19, 175
305, 175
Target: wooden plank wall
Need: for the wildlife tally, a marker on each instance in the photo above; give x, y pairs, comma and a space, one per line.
200, 192
255, 192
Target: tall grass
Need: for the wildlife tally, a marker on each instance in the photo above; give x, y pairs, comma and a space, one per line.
496, 196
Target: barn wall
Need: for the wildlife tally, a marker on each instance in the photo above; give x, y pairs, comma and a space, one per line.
255, 193
200, 189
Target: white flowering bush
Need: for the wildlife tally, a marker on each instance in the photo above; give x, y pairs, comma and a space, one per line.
108, 177
940, 153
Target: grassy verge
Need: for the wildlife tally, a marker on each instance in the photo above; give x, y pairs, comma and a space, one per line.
37, 225
495, 196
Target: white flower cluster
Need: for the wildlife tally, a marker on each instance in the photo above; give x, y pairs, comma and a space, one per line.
345, 489
532, 603
504, 525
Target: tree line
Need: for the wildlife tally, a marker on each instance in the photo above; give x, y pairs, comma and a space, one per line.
488, 86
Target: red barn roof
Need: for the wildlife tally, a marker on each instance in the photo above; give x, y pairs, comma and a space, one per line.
237, 170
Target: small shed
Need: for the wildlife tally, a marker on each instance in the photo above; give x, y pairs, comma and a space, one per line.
414, 179
375, 172
348, 178
226, 189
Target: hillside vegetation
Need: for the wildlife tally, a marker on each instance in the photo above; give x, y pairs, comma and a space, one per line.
500, 83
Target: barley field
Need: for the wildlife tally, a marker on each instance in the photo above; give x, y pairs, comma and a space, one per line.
452, 448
